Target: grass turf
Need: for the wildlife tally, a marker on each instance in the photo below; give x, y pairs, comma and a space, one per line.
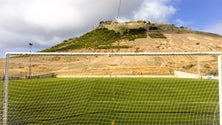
121, 100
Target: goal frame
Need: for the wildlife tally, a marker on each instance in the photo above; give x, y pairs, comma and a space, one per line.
7, 56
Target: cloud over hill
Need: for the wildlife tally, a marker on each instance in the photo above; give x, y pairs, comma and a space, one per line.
47, 22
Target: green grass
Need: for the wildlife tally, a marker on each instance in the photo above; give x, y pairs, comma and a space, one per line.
127, 101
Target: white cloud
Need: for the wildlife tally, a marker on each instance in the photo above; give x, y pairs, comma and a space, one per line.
215, 28
180, 22
155, 10
59, 15
47, 22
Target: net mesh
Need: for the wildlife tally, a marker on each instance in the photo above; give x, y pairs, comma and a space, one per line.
1, 89
109, 89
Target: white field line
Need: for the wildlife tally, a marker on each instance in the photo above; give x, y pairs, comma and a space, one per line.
115, 76
126, 76
117, 102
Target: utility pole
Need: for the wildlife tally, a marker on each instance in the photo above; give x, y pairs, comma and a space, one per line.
118, 11
30, 61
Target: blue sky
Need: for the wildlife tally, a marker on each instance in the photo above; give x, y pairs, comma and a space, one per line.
199, 14
48, 22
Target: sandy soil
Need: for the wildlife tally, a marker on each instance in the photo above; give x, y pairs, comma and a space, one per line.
127, 65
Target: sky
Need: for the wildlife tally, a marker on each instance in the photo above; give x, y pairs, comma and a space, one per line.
46, 23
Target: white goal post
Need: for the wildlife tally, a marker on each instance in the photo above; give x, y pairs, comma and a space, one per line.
10, 55
220, 85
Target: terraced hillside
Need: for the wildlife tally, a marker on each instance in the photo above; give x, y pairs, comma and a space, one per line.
137, 36
140, 36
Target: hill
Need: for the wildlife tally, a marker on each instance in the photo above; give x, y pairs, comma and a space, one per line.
139, 36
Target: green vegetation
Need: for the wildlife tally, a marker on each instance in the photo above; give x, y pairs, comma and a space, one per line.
112, 47
157, 35
153, 28
133, 34
127, 101
93, 39
99, 38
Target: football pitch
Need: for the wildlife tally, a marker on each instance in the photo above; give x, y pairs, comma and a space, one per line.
113, 101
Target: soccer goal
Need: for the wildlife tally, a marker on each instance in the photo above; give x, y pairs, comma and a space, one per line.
112, 88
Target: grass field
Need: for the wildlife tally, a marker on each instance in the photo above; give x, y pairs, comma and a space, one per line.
119, 101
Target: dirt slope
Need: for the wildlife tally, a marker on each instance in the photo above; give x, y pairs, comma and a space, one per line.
186, 41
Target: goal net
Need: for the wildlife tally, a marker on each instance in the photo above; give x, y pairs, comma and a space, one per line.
112, 88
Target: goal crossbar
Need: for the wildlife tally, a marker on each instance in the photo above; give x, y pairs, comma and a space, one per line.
112, 53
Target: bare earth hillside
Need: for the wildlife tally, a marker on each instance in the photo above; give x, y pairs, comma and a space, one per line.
185, 42
175, 40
